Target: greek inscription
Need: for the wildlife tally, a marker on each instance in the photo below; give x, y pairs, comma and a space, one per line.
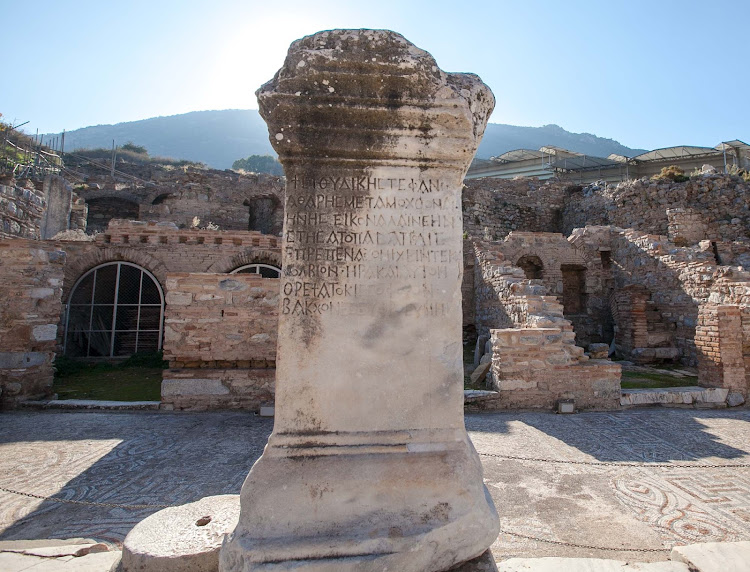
365, 184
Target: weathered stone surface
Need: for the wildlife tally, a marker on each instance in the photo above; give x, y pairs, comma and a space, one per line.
369, 466
485, 563
598, 351
59, 198
186, 538
479, 373
673, 396
555, 564
735, 399
30, 294
714, 556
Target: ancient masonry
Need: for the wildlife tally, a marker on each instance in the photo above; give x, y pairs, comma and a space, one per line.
652, 269
369, 393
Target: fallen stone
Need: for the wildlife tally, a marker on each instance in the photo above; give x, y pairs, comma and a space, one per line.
185, 538
480, 373
714, 556
555, 564
735, 399
598, 351
697, 396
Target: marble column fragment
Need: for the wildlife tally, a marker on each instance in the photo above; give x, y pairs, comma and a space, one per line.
369, 466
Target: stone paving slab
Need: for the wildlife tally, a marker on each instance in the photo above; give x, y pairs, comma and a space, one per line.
99, 562
553, 564
715, 556
165, 458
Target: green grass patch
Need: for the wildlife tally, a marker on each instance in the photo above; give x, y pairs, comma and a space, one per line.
136, 379
642, 380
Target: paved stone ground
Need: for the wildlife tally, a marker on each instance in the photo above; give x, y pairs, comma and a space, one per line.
172, 458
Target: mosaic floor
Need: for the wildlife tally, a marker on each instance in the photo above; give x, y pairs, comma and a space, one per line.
171, 458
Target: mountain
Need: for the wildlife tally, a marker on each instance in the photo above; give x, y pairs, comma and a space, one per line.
500, 138
218, 138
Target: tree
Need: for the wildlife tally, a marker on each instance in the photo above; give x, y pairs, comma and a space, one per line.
130, 146
259, 164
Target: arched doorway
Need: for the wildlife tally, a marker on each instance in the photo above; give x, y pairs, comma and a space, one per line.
532, 266
114, 310
265, 270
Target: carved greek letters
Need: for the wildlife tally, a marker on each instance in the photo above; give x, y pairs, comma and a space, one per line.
345, 236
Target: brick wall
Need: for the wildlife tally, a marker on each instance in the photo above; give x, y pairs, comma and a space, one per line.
162, 247
534, 368
31, 275
220, 340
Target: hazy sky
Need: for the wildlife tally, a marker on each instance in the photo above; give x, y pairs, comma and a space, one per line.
648, 73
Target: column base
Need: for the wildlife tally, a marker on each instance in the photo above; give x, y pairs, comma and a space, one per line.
371, 502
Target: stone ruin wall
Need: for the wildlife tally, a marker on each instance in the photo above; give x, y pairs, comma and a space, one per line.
722, 337
227, 199
535, 361
25, 213
492, 208
220, 340
717, 204
31, 277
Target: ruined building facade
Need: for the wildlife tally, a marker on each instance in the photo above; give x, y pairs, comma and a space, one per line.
186, 261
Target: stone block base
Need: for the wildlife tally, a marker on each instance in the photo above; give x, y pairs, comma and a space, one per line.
185, 538
594, 384
195, 389
676, 396
354, 502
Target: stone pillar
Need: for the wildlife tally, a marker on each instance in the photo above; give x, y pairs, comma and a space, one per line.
57, 215
369, 466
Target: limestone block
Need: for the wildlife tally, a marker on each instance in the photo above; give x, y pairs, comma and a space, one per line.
735, 399
480, 372
178, 298
557, 564
369, 466
45, 333
193, 386
714, 556
186, 538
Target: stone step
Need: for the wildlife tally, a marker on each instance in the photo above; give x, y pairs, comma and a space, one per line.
675, 396
90, 404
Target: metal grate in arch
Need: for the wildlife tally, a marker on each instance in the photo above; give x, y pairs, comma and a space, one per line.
265, 270
114, 310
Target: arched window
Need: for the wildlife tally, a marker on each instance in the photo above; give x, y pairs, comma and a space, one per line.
265, 270
116, 309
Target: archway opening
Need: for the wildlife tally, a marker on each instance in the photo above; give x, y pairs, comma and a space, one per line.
114, 310
532, 266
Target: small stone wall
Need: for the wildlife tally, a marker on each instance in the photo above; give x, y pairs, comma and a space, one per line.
492, 208
534, 368
722, 338
719, 203
220, 340
535, 360
21, 210
152, 192
31, 276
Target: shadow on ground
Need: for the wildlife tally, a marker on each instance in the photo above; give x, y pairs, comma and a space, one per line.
646, 435
120, 459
